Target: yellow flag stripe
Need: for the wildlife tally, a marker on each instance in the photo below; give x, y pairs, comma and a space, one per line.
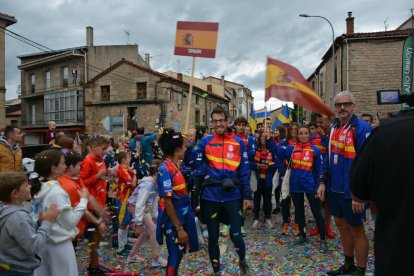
221, 160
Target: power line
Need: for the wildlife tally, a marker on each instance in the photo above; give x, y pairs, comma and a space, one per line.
91, 67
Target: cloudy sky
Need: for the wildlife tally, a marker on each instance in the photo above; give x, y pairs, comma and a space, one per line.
249, 31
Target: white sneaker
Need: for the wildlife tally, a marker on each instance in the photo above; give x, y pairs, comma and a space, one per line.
205, 234
135, 259
255, 224
159, 262
269, 223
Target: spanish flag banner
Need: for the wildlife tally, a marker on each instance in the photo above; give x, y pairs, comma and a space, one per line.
286, 83
196, 39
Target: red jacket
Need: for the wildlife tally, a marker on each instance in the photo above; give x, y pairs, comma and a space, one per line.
89, 169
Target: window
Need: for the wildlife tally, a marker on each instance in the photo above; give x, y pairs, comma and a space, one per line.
47, 80
196, 99
14, 122
197, 117
179, 101
141, 90
33, 114
321, 85
116, 124
105, 93
61, 107
32, 83
65, 76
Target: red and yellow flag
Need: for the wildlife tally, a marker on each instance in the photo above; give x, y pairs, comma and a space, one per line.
286, 83
196, 39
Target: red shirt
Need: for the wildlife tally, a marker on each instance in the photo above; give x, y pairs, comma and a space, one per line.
89, 169
125, 177
72, 188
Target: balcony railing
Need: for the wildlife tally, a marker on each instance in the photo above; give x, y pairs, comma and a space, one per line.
60, 118
37, 92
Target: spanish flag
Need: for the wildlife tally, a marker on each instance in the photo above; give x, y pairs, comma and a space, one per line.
197, 39
286, 83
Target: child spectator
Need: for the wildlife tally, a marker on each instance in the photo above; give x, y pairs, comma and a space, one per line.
20, 239
71, 184
126, 183
143, 203
58, 254
92, 174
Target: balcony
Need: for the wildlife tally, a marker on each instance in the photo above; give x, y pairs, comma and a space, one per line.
62, 118
40, 93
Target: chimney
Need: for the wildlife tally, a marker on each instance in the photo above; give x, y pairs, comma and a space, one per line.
350, 24
147, 59
222, 80
210, 88
89, 36
180, 76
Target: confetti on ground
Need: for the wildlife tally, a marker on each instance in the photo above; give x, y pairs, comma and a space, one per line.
267, 253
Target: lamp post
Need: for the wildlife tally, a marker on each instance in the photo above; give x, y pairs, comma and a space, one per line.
333, 49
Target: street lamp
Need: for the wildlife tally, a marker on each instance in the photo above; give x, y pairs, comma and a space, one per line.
333, 48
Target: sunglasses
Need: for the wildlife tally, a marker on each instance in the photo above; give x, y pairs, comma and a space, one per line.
345, 104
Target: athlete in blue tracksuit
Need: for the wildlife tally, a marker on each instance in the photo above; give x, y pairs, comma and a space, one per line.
226, 183
175, 216
306, 164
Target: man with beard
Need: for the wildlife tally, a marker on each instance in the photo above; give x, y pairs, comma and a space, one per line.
346, 138
226, 194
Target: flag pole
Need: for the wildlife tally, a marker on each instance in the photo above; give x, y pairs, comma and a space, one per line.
265, 118
190, 92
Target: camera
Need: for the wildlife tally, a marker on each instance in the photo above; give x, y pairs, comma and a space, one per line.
395, 97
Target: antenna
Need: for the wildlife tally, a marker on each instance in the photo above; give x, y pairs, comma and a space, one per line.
127, 34
386, 24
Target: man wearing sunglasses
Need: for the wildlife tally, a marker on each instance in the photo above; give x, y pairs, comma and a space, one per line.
346, 138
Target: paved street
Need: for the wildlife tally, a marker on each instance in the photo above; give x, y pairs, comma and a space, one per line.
268, 253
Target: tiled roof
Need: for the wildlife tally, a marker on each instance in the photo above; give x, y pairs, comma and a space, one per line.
380, 34
161, 75
8, 17
124, 61
13, 101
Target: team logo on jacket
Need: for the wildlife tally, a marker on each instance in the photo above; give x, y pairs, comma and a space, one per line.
230, 155
231, 148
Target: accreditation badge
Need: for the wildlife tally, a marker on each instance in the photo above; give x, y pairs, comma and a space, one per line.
335, 159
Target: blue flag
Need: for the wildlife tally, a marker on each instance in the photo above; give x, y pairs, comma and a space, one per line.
252, 119
283, 117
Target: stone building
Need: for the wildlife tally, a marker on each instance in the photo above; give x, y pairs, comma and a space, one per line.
5, 21
126, 96
364, 64
52, 84
240, 97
